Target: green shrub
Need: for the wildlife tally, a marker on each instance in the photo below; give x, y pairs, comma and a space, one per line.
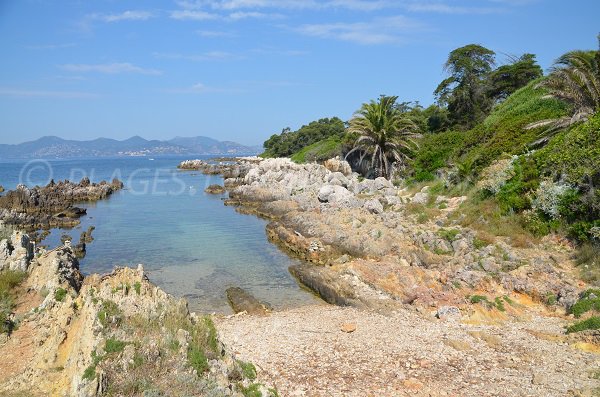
110, 313
60, 294
89, 373
113, 345
9, 280
248, 370
434, 152
138, 287
252, 391
197, 359
448, 234
590, 323
478, 299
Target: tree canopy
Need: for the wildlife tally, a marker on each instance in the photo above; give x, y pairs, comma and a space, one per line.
290, 142
464, 91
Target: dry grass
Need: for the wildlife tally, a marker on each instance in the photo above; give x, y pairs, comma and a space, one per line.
485, 217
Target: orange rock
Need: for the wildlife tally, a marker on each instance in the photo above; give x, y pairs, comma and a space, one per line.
412, 384
348, 327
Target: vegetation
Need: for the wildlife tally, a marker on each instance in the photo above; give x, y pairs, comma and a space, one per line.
385, 135
113, 345
290, 142
248, 370
9, 280
465, 90
110, 314
575, 80
60, 294
590, 323
319, 151
589, 301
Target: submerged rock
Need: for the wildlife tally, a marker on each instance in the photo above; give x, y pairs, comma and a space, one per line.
241, 301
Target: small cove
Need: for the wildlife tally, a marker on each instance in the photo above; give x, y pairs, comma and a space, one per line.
191, 245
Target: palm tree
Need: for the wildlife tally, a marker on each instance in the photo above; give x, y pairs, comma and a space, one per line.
575, 79
385, 134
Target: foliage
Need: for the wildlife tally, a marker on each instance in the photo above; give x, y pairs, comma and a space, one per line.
502, 132
590, 323
575, 80
549, 196
137, 286
319, 151
589, 300
448, 234
494, 177
252, 391
60, 294
113, 345
109, 314
507, 79
248, 370
197, 359
465, 90
290, 142
513, 196
384, 134
434, 152
9, 280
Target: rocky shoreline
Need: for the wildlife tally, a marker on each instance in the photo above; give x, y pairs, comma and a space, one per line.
363, 232
53, 205
364, 247
114, 334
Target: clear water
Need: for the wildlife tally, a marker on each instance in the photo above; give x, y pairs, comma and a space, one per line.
189, 242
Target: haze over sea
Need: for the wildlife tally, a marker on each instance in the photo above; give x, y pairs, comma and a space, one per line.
191, 244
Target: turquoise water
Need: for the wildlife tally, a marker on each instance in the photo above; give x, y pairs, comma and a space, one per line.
189, 242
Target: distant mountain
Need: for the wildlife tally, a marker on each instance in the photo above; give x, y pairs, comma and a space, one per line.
55, 147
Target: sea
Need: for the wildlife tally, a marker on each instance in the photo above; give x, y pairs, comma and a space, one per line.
189, 242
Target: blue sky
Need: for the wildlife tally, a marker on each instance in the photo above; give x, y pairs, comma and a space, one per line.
243, 69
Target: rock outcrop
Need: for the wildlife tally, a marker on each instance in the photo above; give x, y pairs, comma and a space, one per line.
82, 337
16, 252
368, 232
52, 205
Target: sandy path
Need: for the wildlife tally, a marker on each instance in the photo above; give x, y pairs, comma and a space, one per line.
303, 352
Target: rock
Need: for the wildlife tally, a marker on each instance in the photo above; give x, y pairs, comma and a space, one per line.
448, 313
52, 205
242, 301
420, 198
16, 253
337, 178
374, 206
348, 327
382, 183
215, 189
337, 165
333, 194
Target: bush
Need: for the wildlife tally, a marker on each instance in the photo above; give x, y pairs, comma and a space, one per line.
590, 323
434, 153
248, 370
197, 359
588, 261
9, 280
109, 314
113, 345
549, 198
60, 294
494, 177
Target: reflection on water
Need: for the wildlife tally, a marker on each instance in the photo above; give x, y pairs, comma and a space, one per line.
189, 242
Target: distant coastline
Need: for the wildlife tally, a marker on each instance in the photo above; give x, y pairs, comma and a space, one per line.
52, 147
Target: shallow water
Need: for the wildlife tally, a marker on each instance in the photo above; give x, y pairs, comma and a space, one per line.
189, 242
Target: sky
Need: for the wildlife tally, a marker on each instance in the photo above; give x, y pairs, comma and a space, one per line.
243, 70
